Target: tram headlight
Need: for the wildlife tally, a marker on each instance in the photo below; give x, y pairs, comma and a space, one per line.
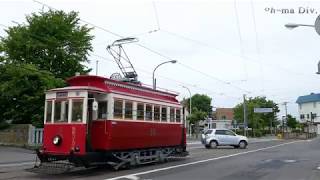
56, 140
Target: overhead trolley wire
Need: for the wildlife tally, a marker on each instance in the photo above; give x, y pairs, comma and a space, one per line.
143, 46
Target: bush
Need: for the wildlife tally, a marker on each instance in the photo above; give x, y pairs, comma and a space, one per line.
258, 133
4, 125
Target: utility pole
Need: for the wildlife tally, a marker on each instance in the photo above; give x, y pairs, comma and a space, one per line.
286, 118
244, 115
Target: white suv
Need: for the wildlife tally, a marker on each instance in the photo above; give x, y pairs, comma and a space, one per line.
212, 138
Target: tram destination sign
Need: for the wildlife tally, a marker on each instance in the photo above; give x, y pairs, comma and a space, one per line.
262, 110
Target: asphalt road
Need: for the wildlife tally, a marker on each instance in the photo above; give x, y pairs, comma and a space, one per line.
271, 160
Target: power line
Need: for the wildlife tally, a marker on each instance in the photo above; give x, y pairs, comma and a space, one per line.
143, 46
233, 54
164, 77
257, 43
84, 21
240, 39
156, 14
212, 77
153, 51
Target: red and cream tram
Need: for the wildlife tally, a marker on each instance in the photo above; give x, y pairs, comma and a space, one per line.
96, 120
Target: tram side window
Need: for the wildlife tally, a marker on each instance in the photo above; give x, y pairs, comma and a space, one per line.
102, 109
164, 114
157, 113
49, 112
140, 111
61, 109
149, 112
118, 109
171, 114
178, 115
77, 110
128, 110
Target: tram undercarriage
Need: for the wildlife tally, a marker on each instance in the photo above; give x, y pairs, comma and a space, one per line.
56, 164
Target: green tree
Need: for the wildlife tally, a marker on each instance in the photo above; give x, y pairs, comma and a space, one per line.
22, 93
292, 122
257, 120
201, 108
200, 102
53, 41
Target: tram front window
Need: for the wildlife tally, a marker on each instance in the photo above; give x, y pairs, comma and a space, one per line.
61, 109
77, 110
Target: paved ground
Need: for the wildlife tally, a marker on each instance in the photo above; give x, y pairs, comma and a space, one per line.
273, 159
13, 155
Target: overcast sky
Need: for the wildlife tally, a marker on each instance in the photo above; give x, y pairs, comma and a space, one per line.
224, 48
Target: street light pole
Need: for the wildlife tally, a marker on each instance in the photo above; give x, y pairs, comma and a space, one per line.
190, 110
97, 65
153, 79
316, 25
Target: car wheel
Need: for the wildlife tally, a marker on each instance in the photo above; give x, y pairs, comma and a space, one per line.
213, 144
236, 147
243, 144
207, 146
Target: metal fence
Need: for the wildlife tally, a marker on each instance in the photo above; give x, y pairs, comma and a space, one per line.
35, 136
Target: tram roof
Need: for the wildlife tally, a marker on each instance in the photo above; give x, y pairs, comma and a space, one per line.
109, 85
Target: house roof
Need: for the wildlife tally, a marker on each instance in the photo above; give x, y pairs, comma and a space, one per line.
308, 98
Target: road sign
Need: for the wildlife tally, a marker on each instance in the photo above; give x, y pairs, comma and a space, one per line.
262, 110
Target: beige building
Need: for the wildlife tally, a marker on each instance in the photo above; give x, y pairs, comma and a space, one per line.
224, 114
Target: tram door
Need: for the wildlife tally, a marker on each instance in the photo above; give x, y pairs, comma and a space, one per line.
89, 123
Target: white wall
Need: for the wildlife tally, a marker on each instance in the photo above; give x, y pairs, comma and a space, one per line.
307, 108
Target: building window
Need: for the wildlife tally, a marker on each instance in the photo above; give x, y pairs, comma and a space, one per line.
128, 110
149, 112
140, 111
164, 114
157, 113
178, 115
61, 109
171, 114
307, 116
314, 104
49, 112
77, 110
118, 104
214, 125
223, 117
302, 116
300, 107
102, 109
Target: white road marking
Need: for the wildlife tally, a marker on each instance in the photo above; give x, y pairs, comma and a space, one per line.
133, 177
201, 161
195, 148
190, 143
16, 164
289, 161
